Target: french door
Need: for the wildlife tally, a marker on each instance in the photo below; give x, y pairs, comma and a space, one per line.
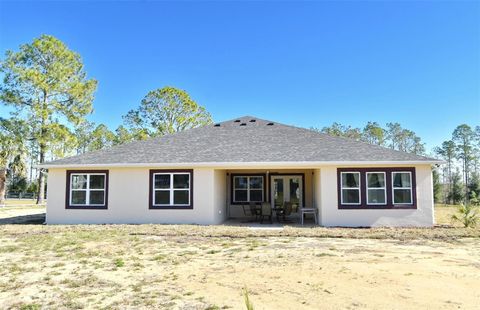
287, 188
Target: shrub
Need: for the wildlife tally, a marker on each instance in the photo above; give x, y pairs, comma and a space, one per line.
467, 214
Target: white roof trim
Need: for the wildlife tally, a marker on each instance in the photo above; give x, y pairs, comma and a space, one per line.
229, 165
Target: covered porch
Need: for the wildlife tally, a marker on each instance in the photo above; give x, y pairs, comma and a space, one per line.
288, 193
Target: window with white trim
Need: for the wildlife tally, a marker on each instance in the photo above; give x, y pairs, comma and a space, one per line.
376, 188
402, 188
171, 189
350, 188
87, 189
248, 188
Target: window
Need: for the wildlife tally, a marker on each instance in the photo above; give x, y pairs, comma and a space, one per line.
87, 189
376, 188
350, 188
402, 188
171, 189
248, 188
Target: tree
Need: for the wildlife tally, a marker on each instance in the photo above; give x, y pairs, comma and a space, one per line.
437, 186
166, 110
474, 185
122, 135
447, 152
11, 145
463, 137
45, 82
83, 133
394, 134
457, 193
374, 134
101, 138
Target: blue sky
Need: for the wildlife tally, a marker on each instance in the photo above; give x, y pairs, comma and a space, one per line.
301, 63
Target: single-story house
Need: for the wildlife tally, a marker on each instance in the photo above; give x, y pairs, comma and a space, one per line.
207, 175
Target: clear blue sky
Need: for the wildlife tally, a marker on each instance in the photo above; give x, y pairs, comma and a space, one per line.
307, 64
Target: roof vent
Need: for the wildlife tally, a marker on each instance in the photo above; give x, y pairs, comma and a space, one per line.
216, 125
270, 124
243, 124
237, 121
253, 120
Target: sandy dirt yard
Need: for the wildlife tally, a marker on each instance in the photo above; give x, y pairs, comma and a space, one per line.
194, 267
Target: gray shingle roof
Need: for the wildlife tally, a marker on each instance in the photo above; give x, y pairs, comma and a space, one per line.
246, 139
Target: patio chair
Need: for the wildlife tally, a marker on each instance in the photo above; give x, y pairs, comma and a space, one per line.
304, 211
255, 210
266, 212
287, 210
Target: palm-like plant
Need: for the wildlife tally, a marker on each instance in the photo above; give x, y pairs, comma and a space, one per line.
468, 213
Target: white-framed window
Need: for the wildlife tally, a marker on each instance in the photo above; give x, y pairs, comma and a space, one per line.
350, 188
88, 189
402, 188
376, 188
171, 189
248, 188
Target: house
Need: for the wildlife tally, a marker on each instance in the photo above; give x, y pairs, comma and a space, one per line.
208, 174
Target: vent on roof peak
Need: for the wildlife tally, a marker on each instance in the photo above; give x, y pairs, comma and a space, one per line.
270, 124
216, 125
253, 120
237, 121
243, 124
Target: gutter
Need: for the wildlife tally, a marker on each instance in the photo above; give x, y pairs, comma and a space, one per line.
230, 165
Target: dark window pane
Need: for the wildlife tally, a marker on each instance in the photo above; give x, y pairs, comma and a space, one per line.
79, 181
240, 195
97, 197
241, 182
401, 179
376, 196
162, 181
180, 197
97, 182
376, 179
256, 182
295, 191
402, 196
350, 179
351, 196
256, 195
181, 181
162, 198
79, 197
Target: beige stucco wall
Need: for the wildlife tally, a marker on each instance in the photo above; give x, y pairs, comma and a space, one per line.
331, 216
128, 200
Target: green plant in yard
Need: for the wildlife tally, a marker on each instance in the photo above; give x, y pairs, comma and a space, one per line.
119, 262
467, 214
246, 298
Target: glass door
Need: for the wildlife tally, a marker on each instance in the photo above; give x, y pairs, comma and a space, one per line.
288, 188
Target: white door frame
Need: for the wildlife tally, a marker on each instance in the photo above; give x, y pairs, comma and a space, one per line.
286, 187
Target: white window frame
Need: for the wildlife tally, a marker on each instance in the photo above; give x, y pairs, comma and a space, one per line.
248, 188
88, 190
410, 188
357, 188
171, 189
384, 187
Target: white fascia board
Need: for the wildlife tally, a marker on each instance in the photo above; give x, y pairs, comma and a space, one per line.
230, 165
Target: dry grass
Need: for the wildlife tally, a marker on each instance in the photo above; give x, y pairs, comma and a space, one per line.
197, 267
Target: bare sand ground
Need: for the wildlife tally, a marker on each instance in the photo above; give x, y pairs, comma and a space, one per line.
194, 267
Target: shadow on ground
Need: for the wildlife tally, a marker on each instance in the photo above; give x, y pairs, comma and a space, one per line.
24, 219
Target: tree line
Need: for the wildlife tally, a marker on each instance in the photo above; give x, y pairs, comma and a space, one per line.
461, 173
393, 136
